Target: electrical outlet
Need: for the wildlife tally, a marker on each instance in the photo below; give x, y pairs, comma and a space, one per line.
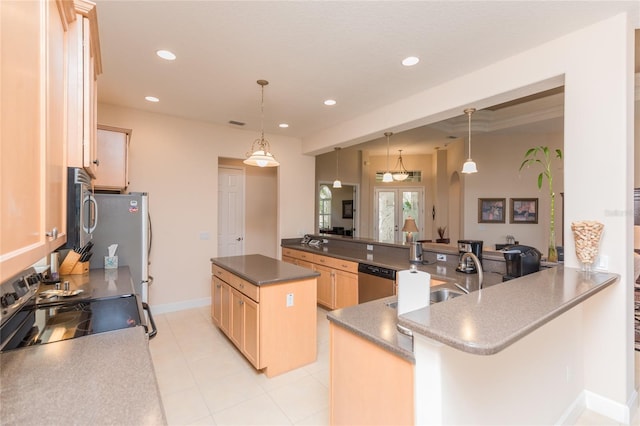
289, 300
369, 247
603, 263
441, 257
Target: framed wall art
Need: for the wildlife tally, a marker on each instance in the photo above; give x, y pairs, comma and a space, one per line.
524, 210
347, 209
491, 210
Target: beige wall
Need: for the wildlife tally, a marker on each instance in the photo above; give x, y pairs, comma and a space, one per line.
176, 162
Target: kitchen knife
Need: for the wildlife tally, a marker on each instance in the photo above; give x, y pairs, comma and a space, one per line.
86, 257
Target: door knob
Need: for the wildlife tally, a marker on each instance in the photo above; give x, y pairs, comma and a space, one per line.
239, 239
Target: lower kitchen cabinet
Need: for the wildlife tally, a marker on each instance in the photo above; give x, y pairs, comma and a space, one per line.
338, 280
361, 392
273, 326
326, 285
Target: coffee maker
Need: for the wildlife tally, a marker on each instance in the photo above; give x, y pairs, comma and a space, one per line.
521, 261
469, 246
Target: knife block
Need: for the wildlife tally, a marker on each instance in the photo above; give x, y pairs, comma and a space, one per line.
71, 265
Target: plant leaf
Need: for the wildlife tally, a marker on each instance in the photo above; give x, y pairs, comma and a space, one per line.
540, 181
559, 153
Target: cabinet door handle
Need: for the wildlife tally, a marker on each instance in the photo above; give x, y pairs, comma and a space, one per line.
218, 285
240, 302
96, 162
53, 233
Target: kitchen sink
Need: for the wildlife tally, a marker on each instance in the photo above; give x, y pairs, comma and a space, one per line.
443, 294
440, 294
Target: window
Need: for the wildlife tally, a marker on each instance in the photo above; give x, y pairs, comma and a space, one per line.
324, 219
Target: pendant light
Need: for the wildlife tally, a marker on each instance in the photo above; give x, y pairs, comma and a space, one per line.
386, 177
402, 173
469, 166
337, 183
260, 154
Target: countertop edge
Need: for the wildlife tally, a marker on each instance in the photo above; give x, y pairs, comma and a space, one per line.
397, 350
514, 337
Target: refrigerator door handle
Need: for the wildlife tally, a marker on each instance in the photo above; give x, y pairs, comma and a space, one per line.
91, 224
154, 329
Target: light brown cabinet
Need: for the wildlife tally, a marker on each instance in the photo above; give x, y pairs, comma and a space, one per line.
84, 67
338, 280
113, 151
271, 333
32, 147
359, 390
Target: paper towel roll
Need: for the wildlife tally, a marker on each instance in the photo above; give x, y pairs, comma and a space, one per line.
414, 290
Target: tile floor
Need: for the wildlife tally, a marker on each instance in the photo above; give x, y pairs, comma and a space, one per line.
204, 380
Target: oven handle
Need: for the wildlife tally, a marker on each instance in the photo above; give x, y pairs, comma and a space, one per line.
154, 329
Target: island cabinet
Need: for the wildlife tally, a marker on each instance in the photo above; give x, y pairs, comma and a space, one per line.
273, 325
338, 280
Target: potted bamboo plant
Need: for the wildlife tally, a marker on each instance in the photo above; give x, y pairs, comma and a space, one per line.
542, 155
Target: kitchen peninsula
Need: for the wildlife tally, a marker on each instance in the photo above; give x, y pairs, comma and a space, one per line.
267, 308
488, 357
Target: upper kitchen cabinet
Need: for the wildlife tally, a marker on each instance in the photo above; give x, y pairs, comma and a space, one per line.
113, 149
32, 124
84, 67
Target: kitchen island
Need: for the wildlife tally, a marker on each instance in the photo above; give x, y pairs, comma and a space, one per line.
267, 309
488, 357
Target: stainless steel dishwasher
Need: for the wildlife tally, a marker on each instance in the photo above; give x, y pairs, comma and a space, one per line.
375, 282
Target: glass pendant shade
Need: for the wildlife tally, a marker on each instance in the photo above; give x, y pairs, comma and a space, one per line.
337, 183
260, 154
469, 166
387, 177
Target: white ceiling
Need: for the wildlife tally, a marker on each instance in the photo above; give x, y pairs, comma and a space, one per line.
312, 50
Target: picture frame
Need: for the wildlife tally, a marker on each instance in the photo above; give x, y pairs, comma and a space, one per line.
347, 209
492, 210
524, 211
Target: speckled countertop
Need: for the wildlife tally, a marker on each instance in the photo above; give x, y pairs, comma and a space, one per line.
483, 322
262, 270
487, 321
101, 379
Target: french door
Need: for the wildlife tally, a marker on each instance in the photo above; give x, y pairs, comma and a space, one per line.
392, 207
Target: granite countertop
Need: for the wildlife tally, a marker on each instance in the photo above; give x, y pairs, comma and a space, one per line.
105, 378
487, 321
438, 270
483, 322
262, 270
98, 283
376, 322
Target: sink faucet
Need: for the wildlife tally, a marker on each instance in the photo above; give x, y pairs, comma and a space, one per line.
478, 266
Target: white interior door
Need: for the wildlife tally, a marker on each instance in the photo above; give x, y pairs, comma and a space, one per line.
392, 207
230, 211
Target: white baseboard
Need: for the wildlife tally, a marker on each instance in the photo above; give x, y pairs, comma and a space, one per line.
622, 413
573, 413
180, 306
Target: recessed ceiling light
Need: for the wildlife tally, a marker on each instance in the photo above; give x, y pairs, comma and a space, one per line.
330, 102
283, 125
410, 61
165, 54
152, 99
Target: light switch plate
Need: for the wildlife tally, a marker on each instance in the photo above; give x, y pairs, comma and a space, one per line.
369, 247
441, 257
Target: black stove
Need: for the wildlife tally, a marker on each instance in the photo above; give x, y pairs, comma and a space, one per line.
28, 317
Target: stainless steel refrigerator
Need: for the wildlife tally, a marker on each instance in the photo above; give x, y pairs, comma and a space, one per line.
123, 219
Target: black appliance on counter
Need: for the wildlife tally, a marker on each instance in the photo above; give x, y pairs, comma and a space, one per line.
467, 265
30, 316
521, 261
